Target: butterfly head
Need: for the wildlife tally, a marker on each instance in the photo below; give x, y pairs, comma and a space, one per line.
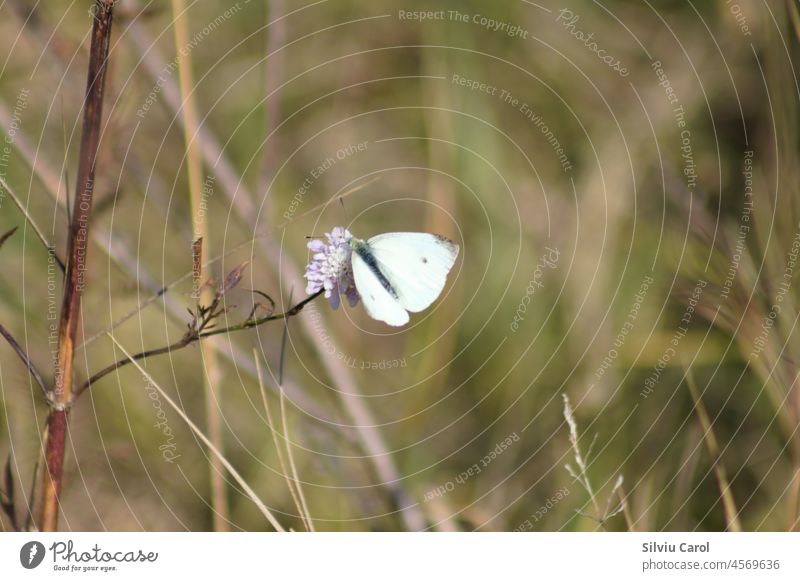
357, 244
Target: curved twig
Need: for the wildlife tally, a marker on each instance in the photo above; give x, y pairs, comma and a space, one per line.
25, 359
194, 335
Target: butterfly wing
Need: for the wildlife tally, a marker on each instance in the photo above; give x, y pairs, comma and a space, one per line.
380, 304
415, 264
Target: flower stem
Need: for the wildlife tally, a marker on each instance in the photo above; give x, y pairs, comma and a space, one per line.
190, 338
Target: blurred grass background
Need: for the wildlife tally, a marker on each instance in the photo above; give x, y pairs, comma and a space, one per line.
281, 87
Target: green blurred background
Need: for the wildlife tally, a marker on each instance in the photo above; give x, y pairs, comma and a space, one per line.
585, 204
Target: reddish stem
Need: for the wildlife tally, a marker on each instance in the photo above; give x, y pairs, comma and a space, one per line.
61, 394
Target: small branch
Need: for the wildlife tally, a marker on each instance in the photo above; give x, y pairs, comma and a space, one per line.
28, 218
194, 336
7, 235
255, 322
25, 359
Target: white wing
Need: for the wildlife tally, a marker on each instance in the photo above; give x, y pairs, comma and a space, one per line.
379, 303
415, 264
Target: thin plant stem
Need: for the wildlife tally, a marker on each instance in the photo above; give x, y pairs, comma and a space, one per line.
309, 522
581, 475
626, 511
274, 433
74, 280
273, 72
793, 510
194, 166
728, 503
794, 16
34, 483
235, 473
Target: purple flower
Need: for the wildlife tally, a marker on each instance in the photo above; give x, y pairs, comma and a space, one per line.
330, 268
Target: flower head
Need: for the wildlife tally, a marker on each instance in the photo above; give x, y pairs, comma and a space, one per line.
330, 267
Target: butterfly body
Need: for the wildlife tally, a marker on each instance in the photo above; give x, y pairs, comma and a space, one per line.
401, 272
364, 252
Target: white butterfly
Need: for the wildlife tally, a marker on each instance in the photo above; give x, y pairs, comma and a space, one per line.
399, 272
